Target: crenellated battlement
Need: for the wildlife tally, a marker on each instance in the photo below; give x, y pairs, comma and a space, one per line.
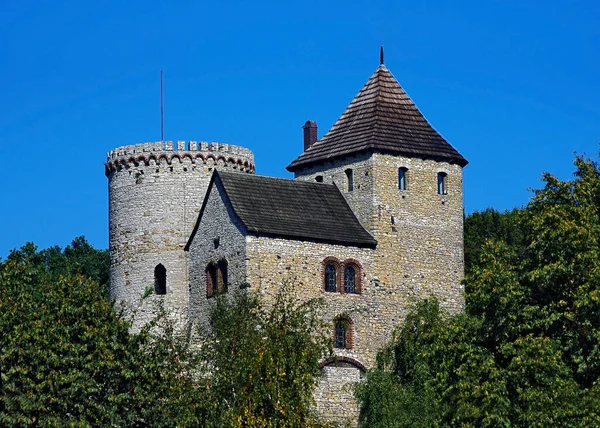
124, 156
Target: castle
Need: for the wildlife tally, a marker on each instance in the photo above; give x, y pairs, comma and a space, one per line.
372, 221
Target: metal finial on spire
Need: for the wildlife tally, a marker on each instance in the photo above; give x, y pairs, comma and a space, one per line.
381, 55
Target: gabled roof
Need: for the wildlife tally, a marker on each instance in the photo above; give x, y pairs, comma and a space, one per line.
280, 207
383, 118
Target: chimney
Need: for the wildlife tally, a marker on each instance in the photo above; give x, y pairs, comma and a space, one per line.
310, 133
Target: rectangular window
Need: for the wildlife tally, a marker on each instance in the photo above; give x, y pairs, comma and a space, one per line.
402, 178
349, 180
442, 189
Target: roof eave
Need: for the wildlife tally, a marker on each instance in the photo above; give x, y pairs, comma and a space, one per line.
363, 244
296, 165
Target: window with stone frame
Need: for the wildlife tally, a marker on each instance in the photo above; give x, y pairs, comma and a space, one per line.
402, 180
160, 279
343, 338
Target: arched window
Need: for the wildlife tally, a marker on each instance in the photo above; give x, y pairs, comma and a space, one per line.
330, 278
402, 178
222, 276
349, 180
343, 333
216, 278
211, 280
442, 188
352, 276
349, 279
160, 279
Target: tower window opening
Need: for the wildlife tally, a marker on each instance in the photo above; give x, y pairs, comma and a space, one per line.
160, 280
319, 178
442, 183
349, 180
402, 178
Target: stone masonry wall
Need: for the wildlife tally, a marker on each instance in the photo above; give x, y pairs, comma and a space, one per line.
155, 193
262, 264
218, 223
274, 260
419, 234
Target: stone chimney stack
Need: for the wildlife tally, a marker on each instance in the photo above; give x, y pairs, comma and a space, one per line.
310, 133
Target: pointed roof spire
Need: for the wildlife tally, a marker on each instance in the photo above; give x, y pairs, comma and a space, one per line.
381, 55
380, 118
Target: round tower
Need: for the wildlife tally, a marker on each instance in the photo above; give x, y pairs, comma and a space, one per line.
155, 192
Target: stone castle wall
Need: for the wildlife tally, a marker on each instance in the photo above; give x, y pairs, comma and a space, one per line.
419, 233
272, 261
217, 238
155, 194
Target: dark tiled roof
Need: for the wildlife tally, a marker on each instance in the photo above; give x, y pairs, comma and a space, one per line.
294, 209
381, 117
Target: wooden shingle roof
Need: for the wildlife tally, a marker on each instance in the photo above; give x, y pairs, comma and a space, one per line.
382, 118
269, 206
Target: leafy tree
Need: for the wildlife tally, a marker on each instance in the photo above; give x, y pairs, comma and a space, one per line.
78, 258
263, 361
67, 358
526, 351
491, 225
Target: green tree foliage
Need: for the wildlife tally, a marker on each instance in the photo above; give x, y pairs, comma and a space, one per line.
526, 351
263, 361
491, 225
78, 258
67, 358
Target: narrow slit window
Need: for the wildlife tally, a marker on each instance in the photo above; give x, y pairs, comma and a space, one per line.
402, 178
349, 180
160, 279
442, 183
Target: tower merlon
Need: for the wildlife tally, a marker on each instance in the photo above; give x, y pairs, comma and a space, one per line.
142, 153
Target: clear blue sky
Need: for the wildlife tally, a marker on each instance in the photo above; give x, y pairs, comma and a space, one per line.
513, 85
